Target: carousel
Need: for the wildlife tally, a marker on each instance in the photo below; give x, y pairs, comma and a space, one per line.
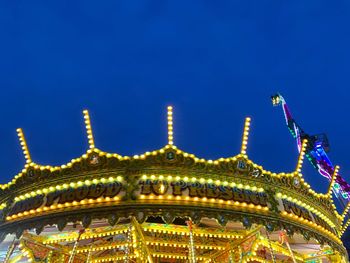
166, 206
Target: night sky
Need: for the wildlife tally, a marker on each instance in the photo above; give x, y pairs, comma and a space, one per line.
216, 62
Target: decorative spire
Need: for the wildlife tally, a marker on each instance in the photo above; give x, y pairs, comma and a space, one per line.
170, 126
24, 146
88, 129
301, 156
347, 207
345, 226
346, 210
331, 184
245, 136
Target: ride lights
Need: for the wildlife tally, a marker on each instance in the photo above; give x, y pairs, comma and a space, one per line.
312, 224
73, 185
73, 205
245, 136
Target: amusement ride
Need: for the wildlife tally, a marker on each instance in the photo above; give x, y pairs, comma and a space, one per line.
167, 206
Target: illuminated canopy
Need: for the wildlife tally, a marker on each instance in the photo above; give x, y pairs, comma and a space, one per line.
110, 207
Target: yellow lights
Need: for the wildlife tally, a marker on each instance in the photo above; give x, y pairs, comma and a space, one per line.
89, 129
245, 136
182, 230
162, 189
144, 156
73, 185
170, 126
113, 259
306, 206
334, 176
217, 173
176, 256
346, 210
103, 247
184, 245
182, 199
145, 242
202, 181
26, 252
54, 239
254, 259
311, 224
301, 156
63, 207
345, 226
24, 146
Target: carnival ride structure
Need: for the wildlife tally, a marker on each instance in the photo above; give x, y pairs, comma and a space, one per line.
164, 206
316, 152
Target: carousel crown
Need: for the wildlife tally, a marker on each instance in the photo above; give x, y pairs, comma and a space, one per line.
207, 181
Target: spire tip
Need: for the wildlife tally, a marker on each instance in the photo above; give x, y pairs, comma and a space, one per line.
89, 129
170, 126
245, 135
24, 146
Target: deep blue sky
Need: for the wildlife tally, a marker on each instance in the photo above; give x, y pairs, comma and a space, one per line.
216, 62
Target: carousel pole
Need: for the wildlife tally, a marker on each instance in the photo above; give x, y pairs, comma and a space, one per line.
10, 250
191, 252
71, 258
273, 257
144, 254
291, 252
129, 243
240, 254
283, 239
89, 255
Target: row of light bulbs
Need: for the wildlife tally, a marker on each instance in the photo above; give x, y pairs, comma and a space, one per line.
63, 207
317, 195
243, 205
74, 236
203, 181
107, 199
185, 232
185, 245
306, 206
312, 224
73, 185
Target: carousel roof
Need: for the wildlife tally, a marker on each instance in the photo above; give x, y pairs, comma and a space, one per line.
168, 183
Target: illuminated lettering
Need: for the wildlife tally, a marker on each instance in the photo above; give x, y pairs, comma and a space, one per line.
178, 187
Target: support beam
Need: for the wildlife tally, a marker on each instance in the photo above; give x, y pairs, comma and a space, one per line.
140, 236
270, 247
16, 258
59, 248
10, 250
234, 245
277, 246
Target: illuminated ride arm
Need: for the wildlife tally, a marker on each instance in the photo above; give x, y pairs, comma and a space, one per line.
316, 151
293, 127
